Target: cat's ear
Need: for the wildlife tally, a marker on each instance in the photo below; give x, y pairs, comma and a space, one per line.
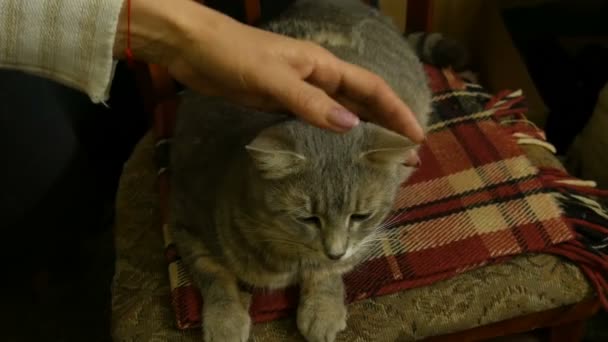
389, 148
273, 155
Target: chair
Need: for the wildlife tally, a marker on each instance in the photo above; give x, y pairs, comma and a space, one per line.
526, 293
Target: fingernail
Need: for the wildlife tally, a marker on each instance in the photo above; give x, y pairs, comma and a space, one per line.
421, 136
343, 119
413, 160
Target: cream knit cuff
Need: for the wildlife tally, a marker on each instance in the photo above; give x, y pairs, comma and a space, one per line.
69, 41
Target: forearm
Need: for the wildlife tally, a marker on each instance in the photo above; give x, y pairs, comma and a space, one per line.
76, 42
153, 30
161, 30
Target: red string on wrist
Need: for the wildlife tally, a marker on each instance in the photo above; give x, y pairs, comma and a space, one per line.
128, 51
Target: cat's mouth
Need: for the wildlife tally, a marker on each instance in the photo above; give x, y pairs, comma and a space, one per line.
342, 256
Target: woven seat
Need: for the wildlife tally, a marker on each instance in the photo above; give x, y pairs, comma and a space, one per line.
142, 305
515, 287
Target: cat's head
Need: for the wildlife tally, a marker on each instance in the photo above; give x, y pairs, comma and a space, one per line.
325, 194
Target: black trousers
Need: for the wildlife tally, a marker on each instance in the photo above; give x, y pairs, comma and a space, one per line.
61, 158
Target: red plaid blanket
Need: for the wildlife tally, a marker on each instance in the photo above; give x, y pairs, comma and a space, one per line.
475, 200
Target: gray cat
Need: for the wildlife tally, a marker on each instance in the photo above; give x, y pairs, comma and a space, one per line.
269, 201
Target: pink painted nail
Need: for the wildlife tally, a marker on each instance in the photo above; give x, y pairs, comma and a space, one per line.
413, 160
343, 119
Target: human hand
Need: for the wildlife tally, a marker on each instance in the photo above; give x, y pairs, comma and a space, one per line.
216, 55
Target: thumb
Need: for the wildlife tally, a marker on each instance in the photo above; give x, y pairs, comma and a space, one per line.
312, 104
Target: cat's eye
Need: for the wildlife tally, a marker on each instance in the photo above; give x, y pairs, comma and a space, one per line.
360, 217
310, 220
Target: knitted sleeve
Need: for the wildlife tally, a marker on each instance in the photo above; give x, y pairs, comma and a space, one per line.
69, 41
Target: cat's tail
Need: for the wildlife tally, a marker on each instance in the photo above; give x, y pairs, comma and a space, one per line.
440, 51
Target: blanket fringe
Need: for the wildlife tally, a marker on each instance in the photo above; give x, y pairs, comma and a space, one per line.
585, 206
585, 211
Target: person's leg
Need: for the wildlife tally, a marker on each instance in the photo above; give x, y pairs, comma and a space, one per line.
36, 143
61, 159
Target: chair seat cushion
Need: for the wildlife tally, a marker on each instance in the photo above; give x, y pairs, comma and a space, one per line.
478, 200
491, 173
142, 308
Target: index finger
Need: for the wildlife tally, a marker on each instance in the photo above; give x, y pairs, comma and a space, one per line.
387, 108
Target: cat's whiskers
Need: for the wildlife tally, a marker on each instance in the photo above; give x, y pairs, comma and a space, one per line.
380, 239
392, 219
387, 223
377, 237
301, 211
256, 222
289, 242
380, 229
376, 242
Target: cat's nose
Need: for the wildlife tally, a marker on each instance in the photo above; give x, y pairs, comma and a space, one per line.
335, 256
335, 242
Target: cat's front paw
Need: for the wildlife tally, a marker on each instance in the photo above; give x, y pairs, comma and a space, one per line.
320, 318
226, 322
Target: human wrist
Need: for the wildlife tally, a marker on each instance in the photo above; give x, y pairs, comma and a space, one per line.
155, 31
161, 29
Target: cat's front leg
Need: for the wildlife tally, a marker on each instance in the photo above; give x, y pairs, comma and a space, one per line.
321, 312
225, 309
